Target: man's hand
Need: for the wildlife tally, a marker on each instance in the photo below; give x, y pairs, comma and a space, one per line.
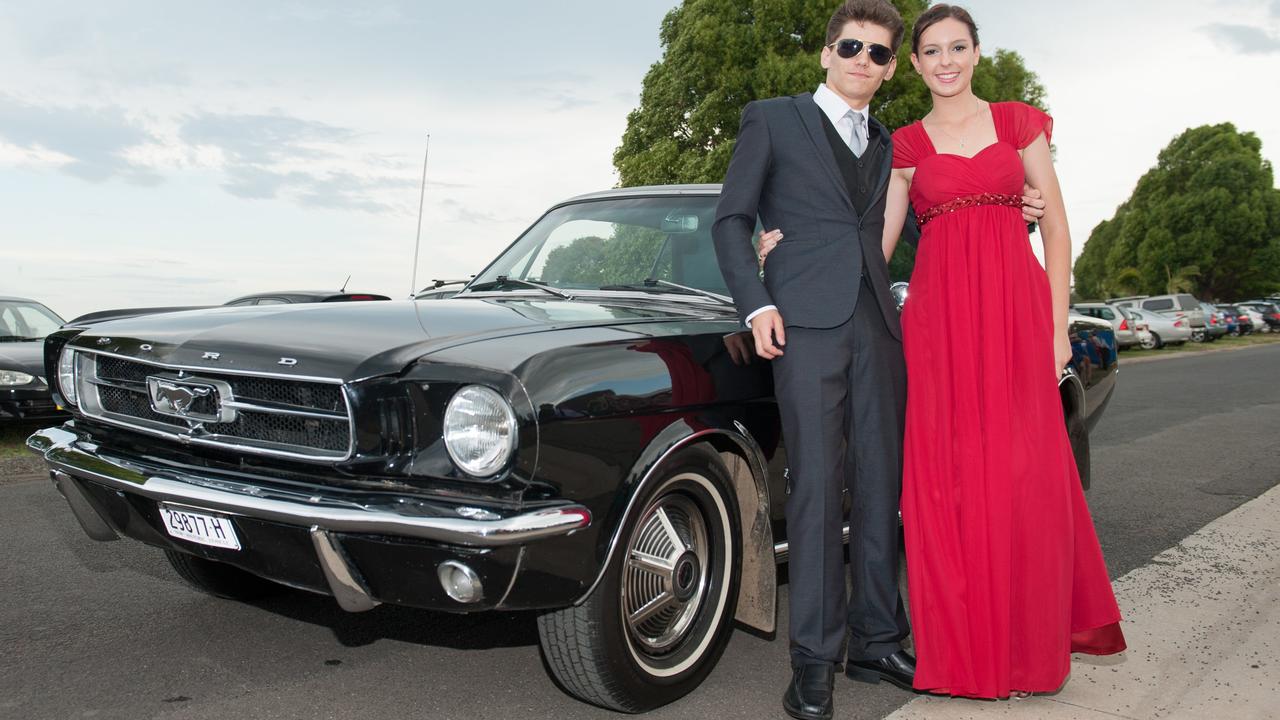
739, 346
766, 327
1032, 205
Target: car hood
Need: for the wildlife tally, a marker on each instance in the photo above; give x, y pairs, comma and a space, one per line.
27, 357
352, 341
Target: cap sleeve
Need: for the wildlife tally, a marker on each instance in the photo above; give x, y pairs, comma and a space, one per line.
1028, 123
906, 147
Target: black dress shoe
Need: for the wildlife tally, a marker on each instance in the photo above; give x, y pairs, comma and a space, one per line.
808, 697
898, 668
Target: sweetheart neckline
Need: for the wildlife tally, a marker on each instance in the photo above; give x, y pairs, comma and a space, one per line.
969, 157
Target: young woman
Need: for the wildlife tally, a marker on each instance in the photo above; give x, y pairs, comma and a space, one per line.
1005, 574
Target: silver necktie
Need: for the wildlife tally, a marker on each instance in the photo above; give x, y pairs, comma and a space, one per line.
858, 139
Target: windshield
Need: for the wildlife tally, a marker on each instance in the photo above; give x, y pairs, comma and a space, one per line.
21, 321
608, 244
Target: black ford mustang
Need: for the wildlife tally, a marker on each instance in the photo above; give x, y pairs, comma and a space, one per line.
583, 430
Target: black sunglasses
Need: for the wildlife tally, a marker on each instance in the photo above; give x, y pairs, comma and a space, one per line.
850, 48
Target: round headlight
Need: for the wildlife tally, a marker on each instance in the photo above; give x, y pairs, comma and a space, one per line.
67, 374
479, 430
10, 378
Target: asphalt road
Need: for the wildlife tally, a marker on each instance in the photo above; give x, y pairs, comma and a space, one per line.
106, 630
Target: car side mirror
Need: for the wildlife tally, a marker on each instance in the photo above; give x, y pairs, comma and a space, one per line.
899, 290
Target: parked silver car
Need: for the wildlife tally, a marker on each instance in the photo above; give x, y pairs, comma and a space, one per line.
1163, 330
1170, 305
1126, 334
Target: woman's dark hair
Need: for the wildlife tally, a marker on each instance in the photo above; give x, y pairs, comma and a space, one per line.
937, 13
867, 12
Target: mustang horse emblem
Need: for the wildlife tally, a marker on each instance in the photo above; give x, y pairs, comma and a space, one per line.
170, 398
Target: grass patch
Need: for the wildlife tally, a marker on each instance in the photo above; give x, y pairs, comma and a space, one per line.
13, 436
1225, 343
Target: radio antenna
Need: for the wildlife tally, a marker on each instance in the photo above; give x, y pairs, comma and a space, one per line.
417, 241
344, 284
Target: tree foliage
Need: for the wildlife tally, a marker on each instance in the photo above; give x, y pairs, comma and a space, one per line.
718, 55
1205, 219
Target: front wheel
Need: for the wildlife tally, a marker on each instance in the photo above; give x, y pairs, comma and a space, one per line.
658, 621
1150, 341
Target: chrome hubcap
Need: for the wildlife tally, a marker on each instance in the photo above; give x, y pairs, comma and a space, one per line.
666, 575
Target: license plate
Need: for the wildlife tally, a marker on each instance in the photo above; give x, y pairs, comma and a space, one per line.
199, 527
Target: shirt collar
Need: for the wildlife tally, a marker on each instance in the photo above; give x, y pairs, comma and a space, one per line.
834, 107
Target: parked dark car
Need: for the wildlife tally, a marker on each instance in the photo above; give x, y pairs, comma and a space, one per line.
584, 431
24, 387
1240, 318
1270, 312
287, 297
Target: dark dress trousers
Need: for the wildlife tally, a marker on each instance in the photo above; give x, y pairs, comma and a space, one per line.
841, 381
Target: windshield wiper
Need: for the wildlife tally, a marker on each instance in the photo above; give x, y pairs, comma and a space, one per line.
655, 283
504, 280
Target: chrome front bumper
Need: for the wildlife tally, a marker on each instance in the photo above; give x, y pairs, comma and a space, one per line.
70, 456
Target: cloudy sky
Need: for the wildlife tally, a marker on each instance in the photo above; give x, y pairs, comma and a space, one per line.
183, 153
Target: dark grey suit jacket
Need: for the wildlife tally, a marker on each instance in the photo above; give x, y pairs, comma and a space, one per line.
783, 170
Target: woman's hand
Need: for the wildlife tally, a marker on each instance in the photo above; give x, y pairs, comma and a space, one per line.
1061, 352
768, 241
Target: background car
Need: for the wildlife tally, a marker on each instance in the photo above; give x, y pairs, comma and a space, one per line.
24, 387
1126, 336
1270, 313
1256, 317
1164, 330
286, 297
1215, 321
1171, 305
1239, 319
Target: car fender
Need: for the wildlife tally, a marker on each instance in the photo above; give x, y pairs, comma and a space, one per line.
742, 456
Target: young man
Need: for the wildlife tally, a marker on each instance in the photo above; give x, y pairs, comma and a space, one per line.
817, 166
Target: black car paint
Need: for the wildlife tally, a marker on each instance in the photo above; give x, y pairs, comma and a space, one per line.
32, 401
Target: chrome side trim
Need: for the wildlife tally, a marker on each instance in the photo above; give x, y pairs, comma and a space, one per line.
93, 524
275, 410
782, 550
345, 582
744, 441
63, 450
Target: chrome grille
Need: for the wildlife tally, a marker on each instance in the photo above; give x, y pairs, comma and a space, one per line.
307, 419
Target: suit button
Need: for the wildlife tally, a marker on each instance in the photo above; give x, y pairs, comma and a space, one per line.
863, 189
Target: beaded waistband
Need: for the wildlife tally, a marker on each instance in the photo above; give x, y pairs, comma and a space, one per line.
968, 201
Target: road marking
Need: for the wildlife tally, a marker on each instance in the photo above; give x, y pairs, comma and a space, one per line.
1203, 624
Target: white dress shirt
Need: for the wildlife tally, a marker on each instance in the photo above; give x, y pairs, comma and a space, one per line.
837, 111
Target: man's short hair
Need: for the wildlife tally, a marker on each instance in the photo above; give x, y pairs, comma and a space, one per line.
867, 12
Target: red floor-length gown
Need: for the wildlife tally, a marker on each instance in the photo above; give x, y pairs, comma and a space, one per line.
1005, 574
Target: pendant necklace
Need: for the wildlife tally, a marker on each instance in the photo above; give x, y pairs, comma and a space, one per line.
977, 108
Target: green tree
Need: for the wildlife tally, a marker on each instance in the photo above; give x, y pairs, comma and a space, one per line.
1205, 219
718, 55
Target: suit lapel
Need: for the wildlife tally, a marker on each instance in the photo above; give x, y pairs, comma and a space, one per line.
886, 162
812, 120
